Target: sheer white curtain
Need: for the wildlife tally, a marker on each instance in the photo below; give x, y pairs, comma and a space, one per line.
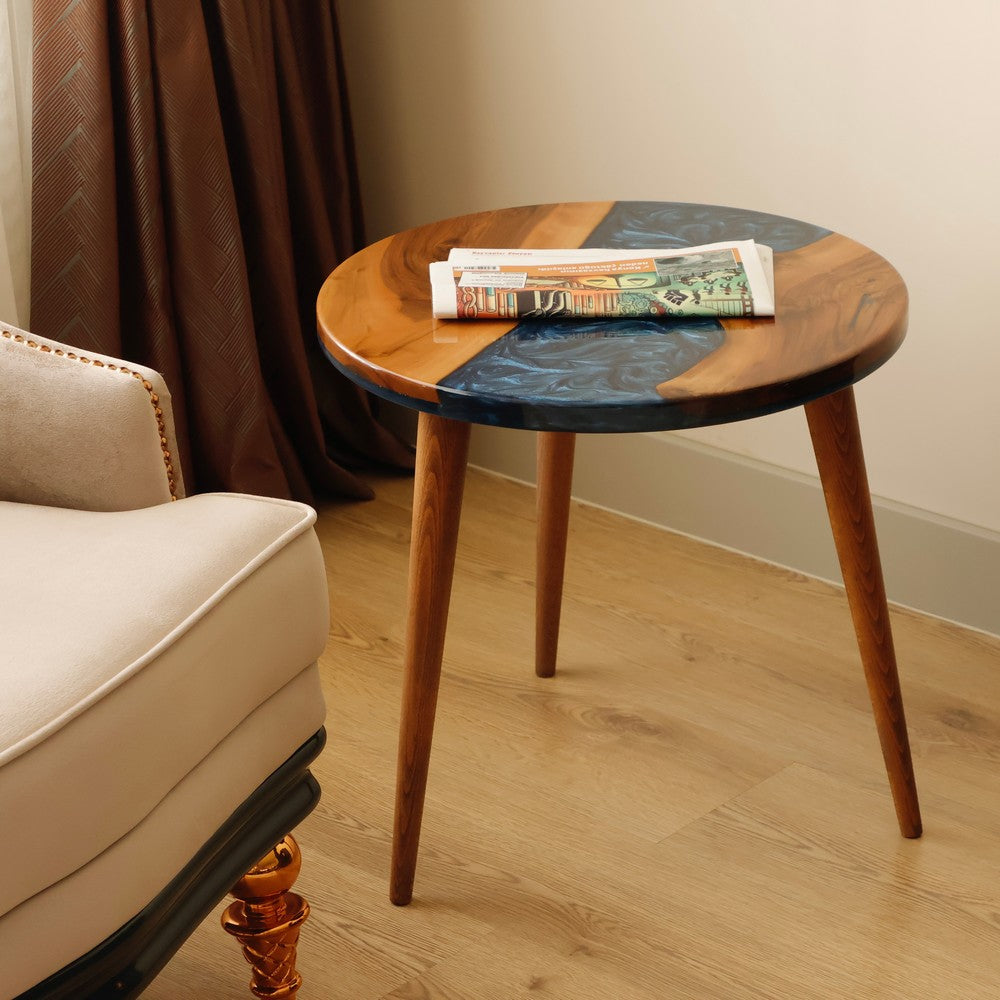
15, 161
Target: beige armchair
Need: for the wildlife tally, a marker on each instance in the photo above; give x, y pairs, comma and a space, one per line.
160, 697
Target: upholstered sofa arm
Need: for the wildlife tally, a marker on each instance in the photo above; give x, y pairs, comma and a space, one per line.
82, 430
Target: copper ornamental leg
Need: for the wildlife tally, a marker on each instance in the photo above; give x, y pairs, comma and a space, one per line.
442, 449
266, 919
555, 481
833, 425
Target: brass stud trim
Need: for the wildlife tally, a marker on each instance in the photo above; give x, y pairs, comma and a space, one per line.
121, 369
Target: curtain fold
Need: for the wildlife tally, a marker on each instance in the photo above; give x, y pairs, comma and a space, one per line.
194, 183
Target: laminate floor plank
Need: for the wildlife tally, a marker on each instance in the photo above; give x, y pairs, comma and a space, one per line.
694, 806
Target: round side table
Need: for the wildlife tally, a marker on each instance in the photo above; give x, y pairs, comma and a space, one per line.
840, 313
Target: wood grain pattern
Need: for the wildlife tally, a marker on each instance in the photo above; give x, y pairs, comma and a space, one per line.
374, 315
394, 341
442, 450
565, 225
833, 426
693, 809
555, 481
837, 443
841, 311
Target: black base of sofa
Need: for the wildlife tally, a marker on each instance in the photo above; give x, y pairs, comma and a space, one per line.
125, 963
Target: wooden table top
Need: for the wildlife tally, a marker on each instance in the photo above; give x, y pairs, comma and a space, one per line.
840, 312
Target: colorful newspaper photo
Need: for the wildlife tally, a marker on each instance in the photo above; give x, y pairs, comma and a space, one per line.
717, 280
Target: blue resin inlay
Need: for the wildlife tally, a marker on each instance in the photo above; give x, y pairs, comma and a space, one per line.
595, 362
605, 371
654, 224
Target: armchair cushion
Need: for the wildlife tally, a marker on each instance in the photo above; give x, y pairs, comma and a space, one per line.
155, 663
82, 430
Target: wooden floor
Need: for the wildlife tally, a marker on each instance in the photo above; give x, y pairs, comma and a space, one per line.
694, 806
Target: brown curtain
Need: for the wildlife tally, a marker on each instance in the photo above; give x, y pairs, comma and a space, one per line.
193, 184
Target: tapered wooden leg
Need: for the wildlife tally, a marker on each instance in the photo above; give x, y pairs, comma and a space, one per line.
442, 450
555, 480
833, 425
266, 919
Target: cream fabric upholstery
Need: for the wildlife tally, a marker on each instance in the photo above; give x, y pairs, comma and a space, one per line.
126, 640
79, 429
57, 925
157, 655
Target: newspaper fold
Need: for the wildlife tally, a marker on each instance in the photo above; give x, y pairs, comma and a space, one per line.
717, 280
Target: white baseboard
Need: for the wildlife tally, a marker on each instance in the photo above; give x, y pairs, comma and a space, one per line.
931, 563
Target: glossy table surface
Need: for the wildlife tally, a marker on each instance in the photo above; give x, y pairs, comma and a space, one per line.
840, 313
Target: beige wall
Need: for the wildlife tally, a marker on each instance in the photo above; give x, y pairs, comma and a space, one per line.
878, 118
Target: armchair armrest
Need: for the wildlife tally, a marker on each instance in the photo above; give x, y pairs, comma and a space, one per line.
83, 430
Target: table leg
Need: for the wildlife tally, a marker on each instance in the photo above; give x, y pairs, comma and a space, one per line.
555, 480
442, 451
833, 425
